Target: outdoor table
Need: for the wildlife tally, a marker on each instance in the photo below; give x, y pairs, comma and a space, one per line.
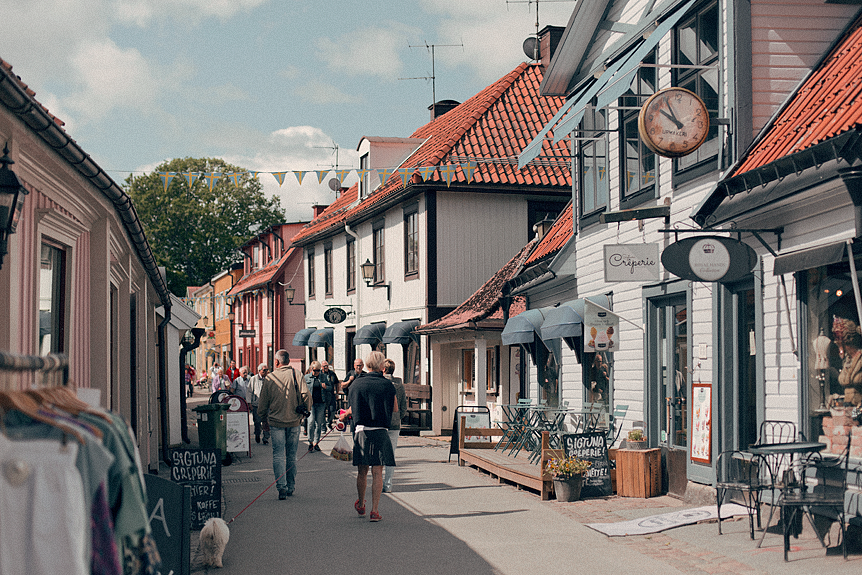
515, 417
545, 419
773, 454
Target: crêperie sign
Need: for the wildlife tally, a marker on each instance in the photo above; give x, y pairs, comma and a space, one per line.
709, 259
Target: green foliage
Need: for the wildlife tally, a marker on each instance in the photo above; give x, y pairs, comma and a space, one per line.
567, 467
193, 231
636, 435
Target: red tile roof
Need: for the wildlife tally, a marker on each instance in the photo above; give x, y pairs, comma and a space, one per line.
557, 237
490, 128
8, 67
482, 309
827, 104
261, 276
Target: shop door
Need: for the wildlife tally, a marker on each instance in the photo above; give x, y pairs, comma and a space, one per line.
667, 388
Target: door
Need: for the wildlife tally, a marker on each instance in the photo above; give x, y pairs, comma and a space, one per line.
667, 386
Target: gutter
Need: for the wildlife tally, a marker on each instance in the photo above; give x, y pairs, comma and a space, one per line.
163, 385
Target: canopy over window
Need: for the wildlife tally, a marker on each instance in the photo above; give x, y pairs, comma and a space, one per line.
566, 322
523, 328
401, 332
301, 337
371, 334
321, 338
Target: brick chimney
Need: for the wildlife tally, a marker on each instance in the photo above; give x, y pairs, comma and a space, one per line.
317, 210
549, 37
442, 107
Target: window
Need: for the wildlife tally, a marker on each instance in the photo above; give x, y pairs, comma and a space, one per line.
411, 242
327, 268
351, 264
52, 299
593, 161
638, 169
363, 181
412, 363
311, 273
255, 257
270, 302
492, 377
696, 44
468, 370
379, 256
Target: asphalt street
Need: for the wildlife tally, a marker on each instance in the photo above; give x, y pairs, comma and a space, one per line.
441, 519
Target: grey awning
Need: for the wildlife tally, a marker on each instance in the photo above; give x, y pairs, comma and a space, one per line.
810, 258
523, 328
372, 334
301, 337
401, 332
567, 319
321, 338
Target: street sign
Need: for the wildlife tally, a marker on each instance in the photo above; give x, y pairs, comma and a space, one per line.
709, 259
247, 333
335, 315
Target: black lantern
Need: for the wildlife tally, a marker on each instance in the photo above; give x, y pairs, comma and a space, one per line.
368, 272
11, 201
289, 294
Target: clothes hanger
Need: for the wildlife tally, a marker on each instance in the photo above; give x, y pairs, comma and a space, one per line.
20, 401
64, 398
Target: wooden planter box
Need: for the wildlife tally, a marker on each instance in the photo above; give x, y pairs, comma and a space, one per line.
639, 472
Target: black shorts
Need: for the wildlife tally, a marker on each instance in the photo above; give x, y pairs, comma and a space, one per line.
373, 447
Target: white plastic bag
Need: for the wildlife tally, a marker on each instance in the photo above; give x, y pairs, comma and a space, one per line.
343, 449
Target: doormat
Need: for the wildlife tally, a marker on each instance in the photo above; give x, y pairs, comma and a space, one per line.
657, 523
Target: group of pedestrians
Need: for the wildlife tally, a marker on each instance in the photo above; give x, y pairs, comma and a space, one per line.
282, 401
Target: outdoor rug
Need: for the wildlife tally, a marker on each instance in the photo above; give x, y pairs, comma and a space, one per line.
656, 523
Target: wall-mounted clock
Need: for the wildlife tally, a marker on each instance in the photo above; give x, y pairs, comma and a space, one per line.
673, 122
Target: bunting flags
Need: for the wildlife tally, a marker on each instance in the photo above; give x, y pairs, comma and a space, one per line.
427, 172
279, 177
234, 177
167, 177
383, 174
342, 174
320, 175
447, 172
405, 174
191, 177
299, 176
468, 170
211, 178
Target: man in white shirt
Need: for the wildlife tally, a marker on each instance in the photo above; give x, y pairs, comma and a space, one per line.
252, 396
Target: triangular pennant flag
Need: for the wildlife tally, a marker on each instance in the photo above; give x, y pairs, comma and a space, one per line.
211, 178
299, 176
447, 172
383, 174
279, 177
427, 172
254, 174
234, 177
405, 174
320, 175
342, 174
468, 170
191, 177
167, 177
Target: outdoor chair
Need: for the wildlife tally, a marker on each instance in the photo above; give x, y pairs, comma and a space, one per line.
615, 424
777, 431
739, 471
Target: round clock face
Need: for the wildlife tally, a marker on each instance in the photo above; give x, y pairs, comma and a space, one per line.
673, 122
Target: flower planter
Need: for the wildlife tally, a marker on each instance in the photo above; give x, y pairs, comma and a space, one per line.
630, 444
568, 489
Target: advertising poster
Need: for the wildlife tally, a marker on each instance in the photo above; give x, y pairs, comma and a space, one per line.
701, 418
601, 329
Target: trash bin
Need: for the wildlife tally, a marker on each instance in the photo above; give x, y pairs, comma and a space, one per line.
212, 427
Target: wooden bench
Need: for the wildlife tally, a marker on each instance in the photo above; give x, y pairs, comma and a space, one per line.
418, 407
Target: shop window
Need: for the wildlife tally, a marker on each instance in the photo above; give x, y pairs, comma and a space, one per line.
412, 363
597, 378
468, 367
492, 367
593, 164
638, 163
351, 265
411, 242
550, 372
52, 299
379, 253
310, 273
327, 268
696, 43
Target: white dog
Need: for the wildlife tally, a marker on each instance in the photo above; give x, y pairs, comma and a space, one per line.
213, 540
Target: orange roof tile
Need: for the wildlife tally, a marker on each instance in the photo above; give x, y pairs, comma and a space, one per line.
826, 105
262, 276
491, 128
557, 237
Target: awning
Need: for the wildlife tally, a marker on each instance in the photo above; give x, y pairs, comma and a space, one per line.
321, 338
810, 258
372, 334
566, 322
401, 332
523, 328
301, 337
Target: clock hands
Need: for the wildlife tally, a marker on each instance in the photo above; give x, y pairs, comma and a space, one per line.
672, 116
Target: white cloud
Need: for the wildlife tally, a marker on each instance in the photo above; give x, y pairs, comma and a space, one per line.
370, 52
143, 12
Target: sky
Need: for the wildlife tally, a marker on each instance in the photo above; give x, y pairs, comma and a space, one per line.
267, 85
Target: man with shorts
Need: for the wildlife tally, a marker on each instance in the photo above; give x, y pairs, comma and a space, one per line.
372, 400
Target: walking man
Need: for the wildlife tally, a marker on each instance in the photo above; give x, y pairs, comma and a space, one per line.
372, 400
255, 385
280, 410
352, 375
330, 391
395, 425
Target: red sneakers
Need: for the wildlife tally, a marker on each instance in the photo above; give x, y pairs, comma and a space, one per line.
360, 510
374, 517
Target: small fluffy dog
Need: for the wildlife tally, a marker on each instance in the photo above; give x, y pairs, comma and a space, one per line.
213, 540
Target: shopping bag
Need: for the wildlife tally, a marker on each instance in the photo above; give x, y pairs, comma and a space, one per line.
343, 449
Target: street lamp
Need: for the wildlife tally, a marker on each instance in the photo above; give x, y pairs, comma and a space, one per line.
11, 201
231, 315
368, 272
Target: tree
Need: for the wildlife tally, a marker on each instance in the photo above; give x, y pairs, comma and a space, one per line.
195, 230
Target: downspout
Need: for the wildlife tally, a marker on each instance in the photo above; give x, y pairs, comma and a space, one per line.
279, 238
271, 291
163, 385
356, 273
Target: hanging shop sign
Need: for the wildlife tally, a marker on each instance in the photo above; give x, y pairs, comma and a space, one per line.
601, 327
247, 333
335, 315
632, 262
709, 259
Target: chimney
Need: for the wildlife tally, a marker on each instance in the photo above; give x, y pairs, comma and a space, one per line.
549, 37
442, 107
317, 210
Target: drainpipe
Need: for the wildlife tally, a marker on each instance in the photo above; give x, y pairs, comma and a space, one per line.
163, 385
271, 292
279, 238
356, 272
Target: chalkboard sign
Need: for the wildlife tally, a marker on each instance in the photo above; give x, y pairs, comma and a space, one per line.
594, 448
200, 469
477, 416
169, 508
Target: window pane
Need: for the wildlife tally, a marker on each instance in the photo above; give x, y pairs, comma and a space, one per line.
52, 296
709, 33
687, 49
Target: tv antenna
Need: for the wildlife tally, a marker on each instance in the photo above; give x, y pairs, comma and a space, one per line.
334, 147
531, 45
432, 77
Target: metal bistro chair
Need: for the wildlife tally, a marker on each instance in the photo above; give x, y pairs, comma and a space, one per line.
615, 424
739, 471
516, 427
824, 499
773, 466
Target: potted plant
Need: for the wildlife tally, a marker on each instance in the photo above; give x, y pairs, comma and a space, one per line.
568, 473
636, 439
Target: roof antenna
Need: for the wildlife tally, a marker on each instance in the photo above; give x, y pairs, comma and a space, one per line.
531, 44
432, 77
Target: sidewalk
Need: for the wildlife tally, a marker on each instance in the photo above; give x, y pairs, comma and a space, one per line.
443, 519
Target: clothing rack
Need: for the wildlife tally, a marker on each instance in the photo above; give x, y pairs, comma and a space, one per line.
18, 371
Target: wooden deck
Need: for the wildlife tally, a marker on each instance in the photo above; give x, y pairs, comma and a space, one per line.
517, 470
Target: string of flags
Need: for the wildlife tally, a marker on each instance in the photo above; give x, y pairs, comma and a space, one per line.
447, 173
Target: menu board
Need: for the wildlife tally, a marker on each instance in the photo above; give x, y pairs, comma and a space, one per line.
701, 419
200, 469
592, 447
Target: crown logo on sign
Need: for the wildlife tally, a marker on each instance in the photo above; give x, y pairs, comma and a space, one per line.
708, 248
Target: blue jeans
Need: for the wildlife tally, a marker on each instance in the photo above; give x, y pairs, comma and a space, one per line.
315, 422
388, 471
284, 443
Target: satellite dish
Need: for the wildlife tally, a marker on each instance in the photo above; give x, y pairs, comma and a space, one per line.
334, 184
531, 47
